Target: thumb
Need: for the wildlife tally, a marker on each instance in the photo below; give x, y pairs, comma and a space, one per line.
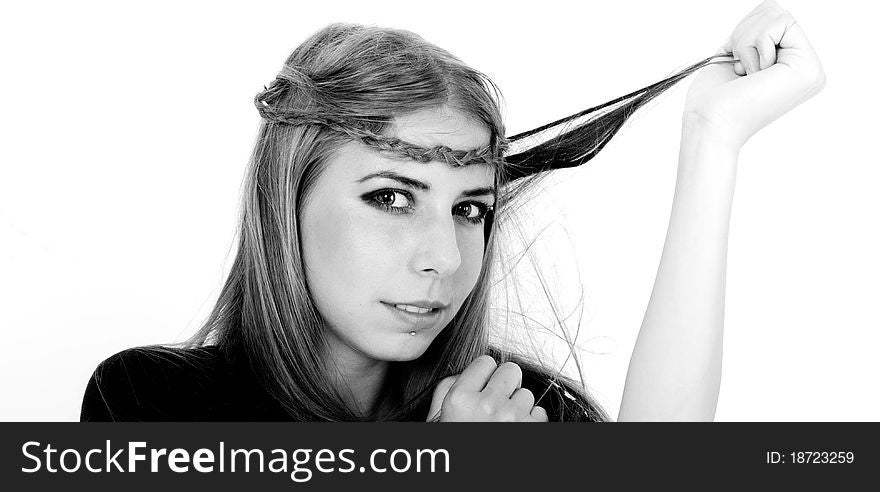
440, 391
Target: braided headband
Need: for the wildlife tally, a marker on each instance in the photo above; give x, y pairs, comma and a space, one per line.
290, 76
583, 134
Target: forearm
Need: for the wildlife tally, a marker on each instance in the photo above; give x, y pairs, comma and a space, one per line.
675, 369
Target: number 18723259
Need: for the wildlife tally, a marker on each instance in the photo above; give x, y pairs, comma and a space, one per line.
810, 457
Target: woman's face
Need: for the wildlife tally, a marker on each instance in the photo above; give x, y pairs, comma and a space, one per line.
379, 231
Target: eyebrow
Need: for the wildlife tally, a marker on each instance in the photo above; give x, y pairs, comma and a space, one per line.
421, 185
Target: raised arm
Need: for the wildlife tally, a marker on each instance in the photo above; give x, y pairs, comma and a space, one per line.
675, 369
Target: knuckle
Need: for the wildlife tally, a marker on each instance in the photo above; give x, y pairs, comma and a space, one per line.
765, 42
447, 381
507, 416
786, 18
456, 399
487, 406
768, 7
776, 9
443, 387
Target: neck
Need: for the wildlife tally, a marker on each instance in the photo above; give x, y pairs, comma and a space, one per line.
361, 382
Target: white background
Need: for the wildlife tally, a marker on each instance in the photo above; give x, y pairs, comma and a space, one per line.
126, 130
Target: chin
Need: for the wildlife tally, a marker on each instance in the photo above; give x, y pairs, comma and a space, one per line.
406, 349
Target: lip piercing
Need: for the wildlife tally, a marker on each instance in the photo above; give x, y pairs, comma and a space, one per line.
412, 333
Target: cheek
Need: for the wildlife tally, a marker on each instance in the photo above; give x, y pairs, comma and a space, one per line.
470, 246
354, 258
345, 257
336, 251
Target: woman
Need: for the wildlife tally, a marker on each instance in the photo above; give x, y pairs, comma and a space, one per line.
372, 205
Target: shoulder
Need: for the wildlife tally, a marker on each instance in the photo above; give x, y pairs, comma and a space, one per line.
151, 383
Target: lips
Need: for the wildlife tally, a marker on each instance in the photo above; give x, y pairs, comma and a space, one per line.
413, 309
419, 303
416, 312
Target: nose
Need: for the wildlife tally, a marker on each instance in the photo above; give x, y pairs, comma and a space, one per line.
437, 253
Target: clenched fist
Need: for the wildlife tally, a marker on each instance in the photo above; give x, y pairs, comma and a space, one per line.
776, 69
485, 392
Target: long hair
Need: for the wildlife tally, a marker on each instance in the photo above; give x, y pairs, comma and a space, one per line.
366, 76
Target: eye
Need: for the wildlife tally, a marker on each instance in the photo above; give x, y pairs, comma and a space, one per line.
393, 201
473, 212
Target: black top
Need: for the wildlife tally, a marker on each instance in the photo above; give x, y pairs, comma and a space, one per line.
206, 384
202, 384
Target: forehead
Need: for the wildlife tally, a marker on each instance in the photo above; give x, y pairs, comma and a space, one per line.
354, 160
426, 128
440, 126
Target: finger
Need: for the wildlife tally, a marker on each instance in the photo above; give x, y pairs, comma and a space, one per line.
796, 52
748, 56
538, 415
523, 398
475, 375
505, 380
792, 34
727, 47
793, 42
766, 52
440, 392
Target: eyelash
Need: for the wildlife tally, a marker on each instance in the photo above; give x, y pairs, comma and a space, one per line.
371, 200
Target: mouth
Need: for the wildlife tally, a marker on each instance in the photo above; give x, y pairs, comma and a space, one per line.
418, 313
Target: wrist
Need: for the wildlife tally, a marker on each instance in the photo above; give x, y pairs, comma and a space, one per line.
708, 159
697, 127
